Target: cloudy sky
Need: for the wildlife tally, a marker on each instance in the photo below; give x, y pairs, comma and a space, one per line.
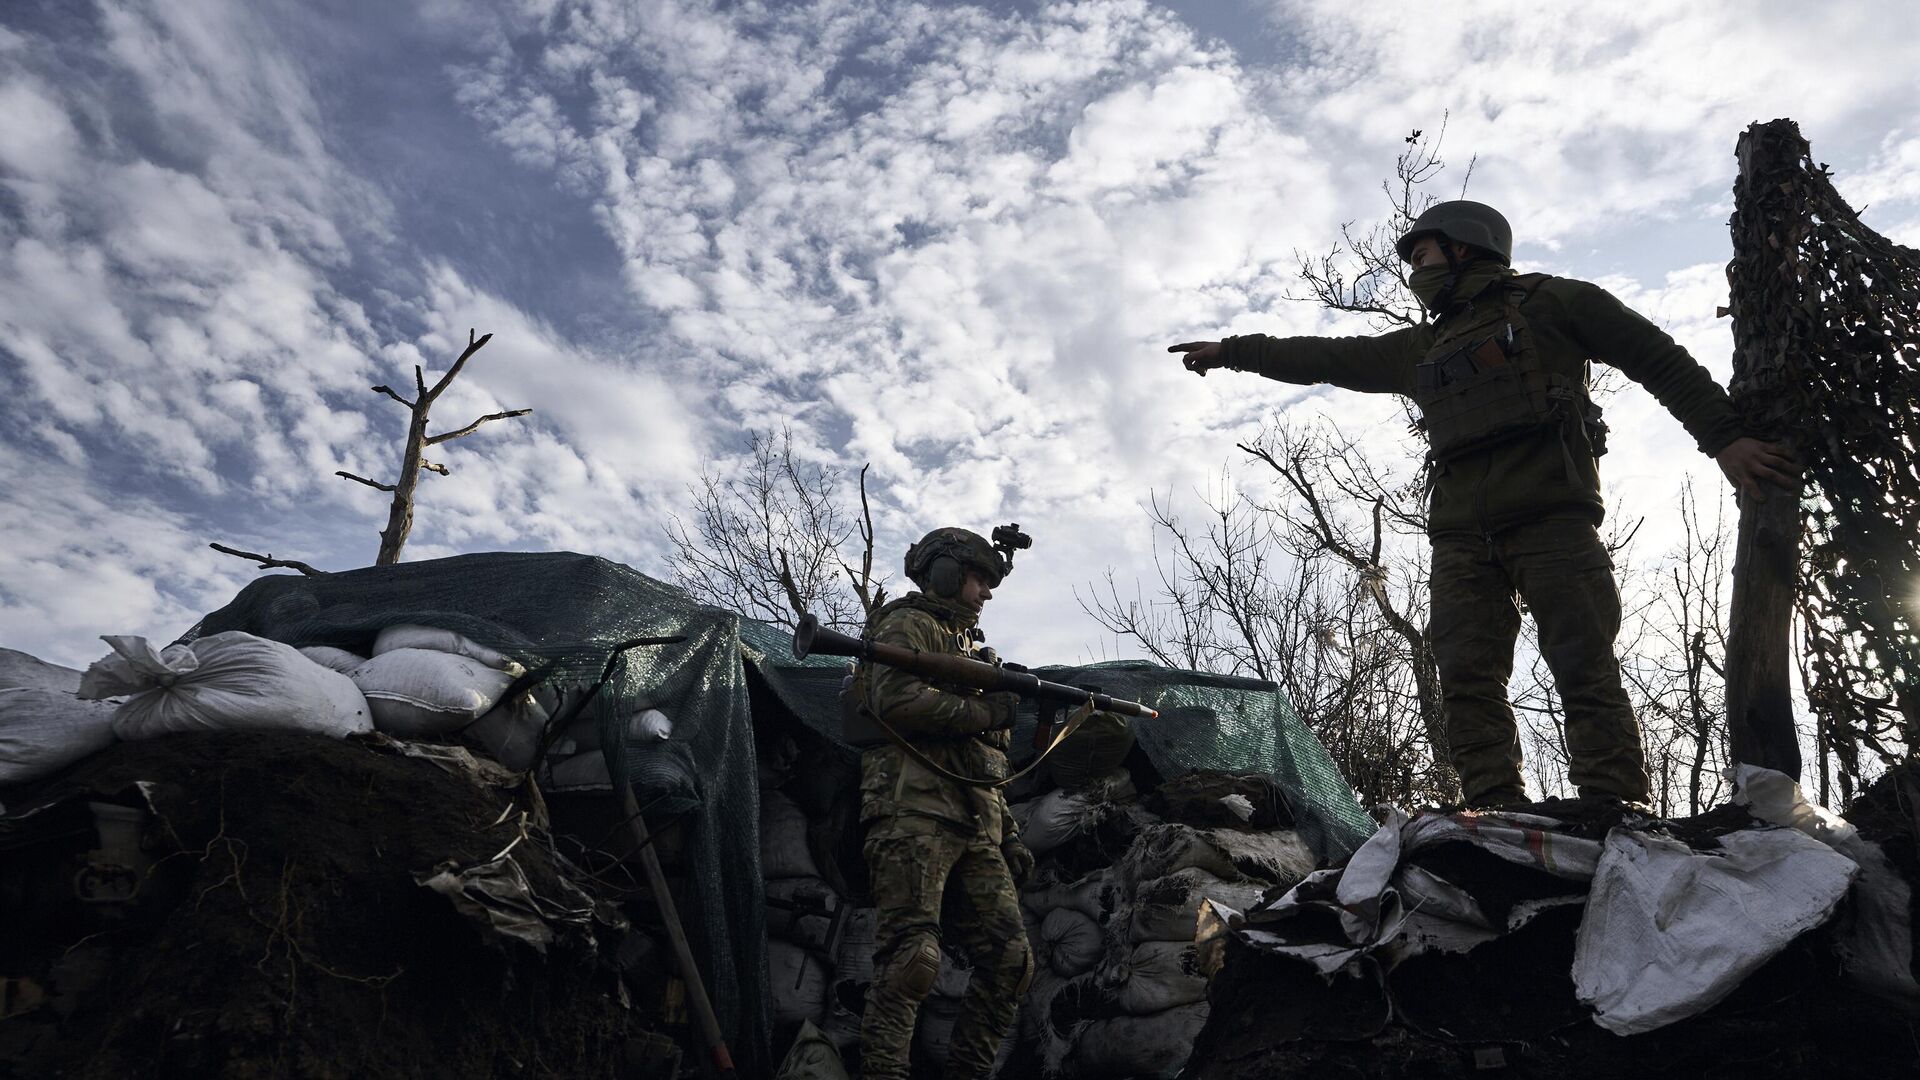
948, 240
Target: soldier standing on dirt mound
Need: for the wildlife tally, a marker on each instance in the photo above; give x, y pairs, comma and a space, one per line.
1500, 376
940, 851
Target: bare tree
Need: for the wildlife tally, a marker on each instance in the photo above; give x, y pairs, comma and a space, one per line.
1362, 273
1272, 591
412, 461
769, 542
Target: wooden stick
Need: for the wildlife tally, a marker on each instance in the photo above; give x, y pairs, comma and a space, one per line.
676, 933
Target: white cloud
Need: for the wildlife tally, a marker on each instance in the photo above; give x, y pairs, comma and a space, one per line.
948, 240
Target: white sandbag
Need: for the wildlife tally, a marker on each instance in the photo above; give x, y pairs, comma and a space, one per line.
1089, 895
420, 692
1277, 856
1154, 976
1669, 931
1168, 908
224, 682
783, 839
18, 669
43, 731
798, 981
1071, 942
434, 639
333, 659
801, 910
1137, 1046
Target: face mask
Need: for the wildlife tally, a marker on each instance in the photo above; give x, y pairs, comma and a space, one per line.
1427, 283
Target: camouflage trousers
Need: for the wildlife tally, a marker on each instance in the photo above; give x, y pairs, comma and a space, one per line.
925, 877
1562, 571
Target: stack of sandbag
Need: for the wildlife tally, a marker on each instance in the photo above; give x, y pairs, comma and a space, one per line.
1119, 989
424, 681
803, 914
223, 682
44, 725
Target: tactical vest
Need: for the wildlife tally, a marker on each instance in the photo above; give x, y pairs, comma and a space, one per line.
857, 725
1483, 383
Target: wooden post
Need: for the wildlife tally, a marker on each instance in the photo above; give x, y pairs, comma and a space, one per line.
1766, 559
1759, 657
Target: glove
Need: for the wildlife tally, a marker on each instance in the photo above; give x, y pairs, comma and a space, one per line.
1000, 706
1019, 859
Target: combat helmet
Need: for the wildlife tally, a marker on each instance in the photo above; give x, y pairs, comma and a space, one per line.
1472, 223
938, 564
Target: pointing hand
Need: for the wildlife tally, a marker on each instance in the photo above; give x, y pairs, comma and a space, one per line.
1201, 356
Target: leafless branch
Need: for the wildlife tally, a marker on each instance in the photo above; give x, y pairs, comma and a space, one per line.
363, 480
268, 562
436, 440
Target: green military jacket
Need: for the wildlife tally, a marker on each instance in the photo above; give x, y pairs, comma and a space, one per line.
900, 796
1548, 473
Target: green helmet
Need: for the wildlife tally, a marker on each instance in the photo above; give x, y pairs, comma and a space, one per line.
1472, 223
940, 561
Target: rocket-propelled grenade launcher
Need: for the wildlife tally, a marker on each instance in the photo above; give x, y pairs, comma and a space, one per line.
810, 637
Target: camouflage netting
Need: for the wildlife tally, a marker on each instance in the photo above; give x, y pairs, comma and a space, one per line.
572, 610
1827, 332
1206, 722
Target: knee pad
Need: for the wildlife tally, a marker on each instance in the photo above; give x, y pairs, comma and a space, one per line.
916, 968
1026, 972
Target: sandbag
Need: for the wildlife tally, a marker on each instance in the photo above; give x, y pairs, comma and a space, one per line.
18, 669
232, 681
421, 692
333, 659
434, 639
1088, 895
1277, 857
853, 961
1093, 751
1072, 942
1154, 976
813, 1056
797, 980
1057, 817
801, 910
1137, 1046
43, 731
510, 731
1168, 908
1034, 1023
783, 839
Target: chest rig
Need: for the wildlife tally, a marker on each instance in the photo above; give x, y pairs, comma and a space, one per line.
1483, 382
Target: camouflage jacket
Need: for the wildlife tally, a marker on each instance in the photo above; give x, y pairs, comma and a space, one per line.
1552, 472
946, 723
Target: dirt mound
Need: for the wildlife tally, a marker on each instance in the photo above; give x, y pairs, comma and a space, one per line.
279, 929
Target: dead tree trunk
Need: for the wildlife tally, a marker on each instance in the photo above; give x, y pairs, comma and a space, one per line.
413, 459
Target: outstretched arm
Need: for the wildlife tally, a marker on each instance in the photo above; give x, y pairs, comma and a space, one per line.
1374, 365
